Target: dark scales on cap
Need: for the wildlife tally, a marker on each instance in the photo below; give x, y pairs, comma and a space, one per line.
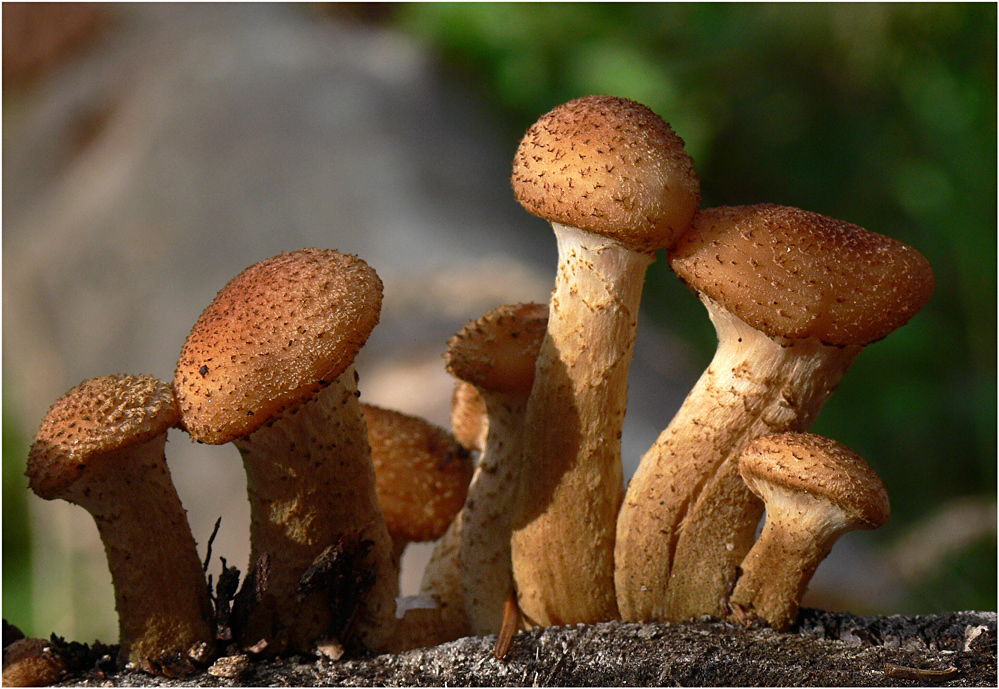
275, 334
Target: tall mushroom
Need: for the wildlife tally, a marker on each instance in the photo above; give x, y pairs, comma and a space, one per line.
269, 366
496, 354
815, 490
794, 297
616, 184
101, 446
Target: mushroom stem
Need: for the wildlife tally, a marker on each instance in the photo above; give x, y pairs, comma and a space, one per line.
754, 385
486, 566
496, 356
441, 584
325, 439
151, 553
769, 591
572, 433
101, 446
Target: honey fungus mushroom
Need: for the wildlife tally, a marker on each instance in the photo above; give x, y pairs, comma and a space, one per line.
101, 446
815, 490
615, 182
269, 367
31, 662
421, 475
794, 297
496, 354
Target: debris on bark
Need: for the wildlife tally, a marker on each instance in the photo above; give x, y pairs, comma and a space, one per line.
824, 649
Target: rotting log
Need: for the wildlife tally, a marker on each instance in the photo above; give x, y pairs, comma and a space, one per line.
828, 649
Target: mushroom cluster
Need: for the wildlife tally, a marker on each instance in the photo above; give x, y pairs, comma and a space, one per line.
541, 530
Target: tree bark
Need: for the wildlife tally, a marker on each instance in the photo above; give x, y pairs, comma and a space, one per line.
824, 649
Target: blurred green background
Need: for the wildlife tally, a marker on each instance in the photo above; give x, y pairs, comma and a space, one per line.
880, 114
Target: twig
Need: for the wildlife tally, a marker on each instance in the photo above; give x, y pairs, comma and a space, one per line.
902, 672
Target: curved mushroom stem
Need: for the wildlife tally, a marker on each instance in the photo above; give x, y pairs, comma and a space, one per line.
572, 433
160, 591
779, 566
310, 481
688, 520
486, 566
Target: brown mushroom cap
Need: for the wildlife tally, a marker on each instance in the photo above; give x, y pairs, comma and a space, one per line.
469, 420
610, 166
421, 474
275, 334
98, 416
792, 273
32, 662
498, 351
821, 468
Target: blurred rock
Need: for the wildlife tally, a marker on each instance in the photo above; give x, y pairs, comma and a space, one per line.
190, 141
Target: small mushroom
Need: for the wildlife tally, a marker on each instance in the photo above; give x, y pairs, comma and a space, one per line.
616, 184
31, 662
269, 367
794, 296
421, 475
496, 354
815, 490
101, 446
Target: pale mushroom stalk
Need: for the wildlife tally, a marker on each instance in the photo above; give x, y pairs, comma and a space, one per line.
493, 359
754, 385
572, 433
497, 354
815, 490
441, 617
101, 446
294, 520
486, 566
141, 570
616, 184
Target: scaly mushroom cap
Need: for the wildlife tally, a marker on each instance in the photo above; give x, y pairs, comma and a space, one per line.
610, 166
421, 474
498, 351
791, 464
98, 416
469, 421
32, 662
275, 334
792, 273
